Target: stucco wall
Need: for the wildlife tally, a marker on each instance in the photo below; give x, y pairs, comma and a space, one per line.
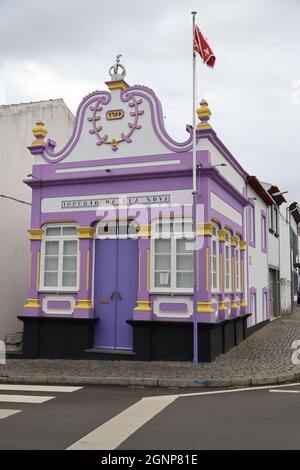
285, 265
258, 261
16, 122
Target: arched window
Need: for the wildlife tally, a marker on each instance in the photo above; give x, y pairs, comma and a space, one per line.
214, 260
60, 258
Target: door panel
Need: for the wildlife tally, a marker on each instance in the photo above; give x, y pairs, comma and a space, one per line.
105, 287
127, 290
116, 284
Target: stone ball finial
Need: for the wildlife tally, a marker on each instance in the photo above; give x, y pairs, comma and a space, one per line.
40, 132
204, 114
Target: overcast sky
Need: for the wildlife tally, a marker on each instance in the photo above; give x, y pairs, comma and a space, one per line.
63, 49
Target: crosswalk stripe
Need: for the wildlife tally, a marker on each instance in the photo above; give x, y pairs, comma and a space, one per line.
24, 398
112, 433
39, 388
6, 413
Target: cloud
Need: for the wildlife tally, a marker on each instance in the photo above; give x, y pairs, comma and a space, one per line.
64, 49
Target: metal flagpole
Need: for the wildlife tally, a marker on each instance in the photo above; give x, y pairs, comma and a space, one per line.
195, 200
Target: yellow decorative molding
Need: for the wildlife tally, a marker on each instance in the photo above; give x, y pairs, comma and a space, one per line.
234, 240
234, 304
35, 233
244, 303
32, 303
86, 232
83, 304
117, 85
243, 245
204, 114
40, 132
205, 307
222, 235
205, 229
143, 306
143, 230
222, 305
37, 275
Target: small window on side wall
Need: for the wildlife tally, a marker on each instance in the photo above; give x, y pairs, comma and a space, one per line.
251, 224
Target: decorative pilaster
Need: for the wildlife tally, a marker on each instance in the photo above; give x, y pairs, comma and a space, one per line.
33, 306
223, 310
143, 309
243, 304
234, 305
205, 309
84, 307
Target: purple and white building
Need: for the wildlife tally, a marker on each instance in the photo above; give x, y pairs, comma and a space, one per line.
111, 250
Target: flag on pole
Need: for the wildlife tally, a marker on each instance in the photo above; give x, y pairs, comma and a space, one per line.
204, 50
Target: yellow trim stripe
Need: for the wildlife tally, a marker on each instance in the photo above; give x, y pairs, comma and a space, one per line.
148, 270
232, 274
221, 272
206, 270
242, 269
139, 272
87, 274
37, 276
198, 270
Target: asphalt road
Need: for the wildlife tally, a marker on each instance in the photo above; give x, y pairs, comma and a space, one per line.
129, 419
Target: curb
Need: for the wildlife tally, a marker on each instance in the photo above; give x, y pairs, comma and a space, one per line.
151, 381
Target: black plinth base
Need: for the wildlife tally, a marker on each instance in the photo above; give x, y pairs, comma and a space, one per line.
56, 338
173, 341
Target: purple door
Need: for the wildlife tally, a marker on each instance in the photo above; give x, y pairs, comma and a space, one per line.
116, 283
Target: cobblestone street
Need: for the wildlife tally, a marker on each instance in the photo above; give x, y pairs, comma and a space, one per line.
262, 358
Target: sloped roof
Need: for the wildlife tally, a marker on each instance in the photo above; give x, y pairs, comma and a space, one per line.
260, 190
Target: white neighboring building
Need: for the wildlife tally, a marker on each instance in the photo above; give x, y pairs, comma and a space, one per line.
285, 262
16, 122
258, 248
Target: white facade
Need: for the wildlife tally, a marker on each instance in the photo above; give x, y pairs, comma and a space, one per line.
258, 263
285, 262
16, 122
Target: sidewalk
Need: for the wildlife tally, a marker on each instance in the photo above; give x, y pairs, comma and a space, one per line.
263, 358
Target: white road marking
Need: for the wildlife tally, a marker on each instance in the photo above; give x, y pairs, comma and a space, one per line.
6, 413
112, 433
24, 398
236, 390
39, 388
284, 391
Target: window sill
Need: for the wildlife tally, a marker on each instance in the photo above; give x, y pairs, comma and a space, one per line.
57, 291
171, 292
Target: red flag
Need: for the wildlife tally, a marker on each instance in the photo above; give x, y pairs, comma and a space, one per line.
204, 50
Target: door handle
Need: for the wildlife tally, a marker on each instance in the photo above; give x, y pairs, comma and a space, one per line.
119, 295
112, 295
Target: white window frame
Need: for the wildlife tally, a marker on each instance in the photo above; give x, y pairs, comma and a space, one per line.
173, 271
227, 245
60, 238
215, 239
